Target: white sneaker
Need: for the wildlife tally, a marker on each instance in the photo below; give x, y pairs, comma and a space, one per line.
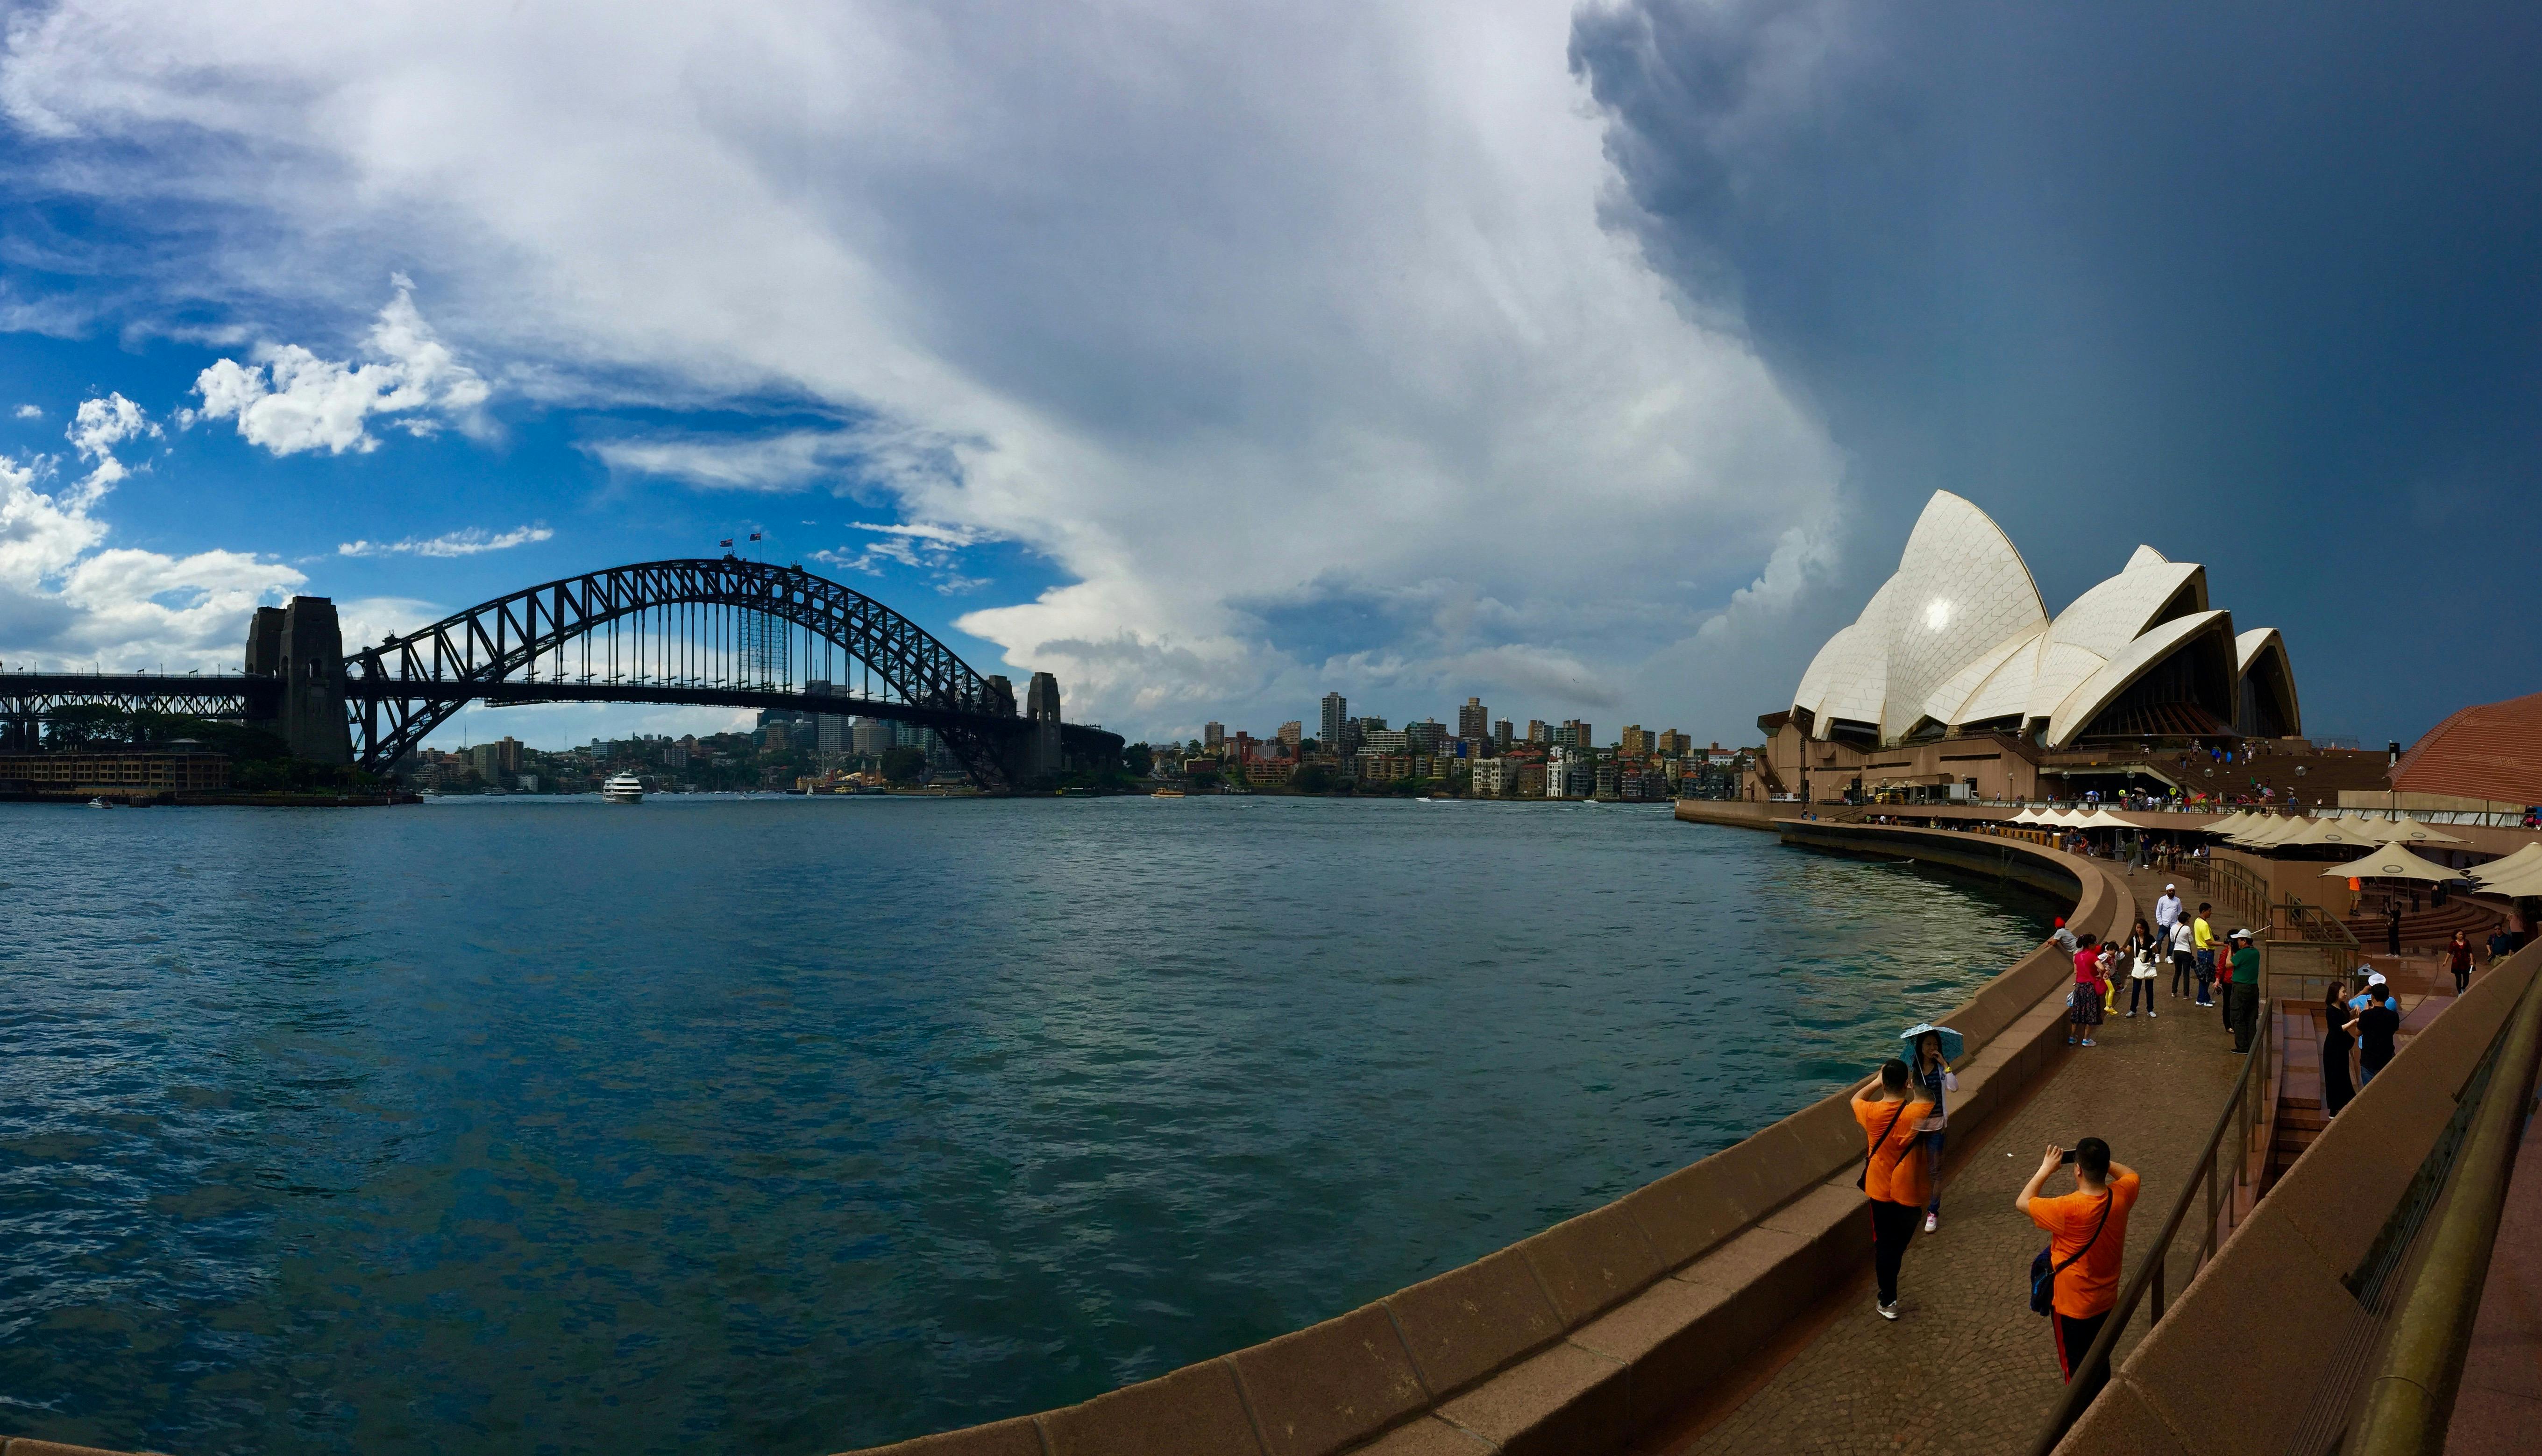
2151, 1013
1932, 1220
1889, 1311
2131, 1013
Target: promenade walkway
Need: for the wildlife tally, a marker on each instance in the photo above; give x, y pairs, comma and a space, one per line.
1970, 1370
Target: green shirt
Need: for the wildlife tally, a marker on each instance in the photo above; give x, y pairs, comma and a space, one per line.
2245, 965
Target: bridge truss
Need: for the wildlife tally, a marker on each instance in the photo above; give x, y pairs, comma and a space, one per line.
705, 630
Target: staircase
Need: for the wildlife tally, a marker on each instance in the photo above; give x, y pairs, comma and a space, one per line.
2297, 1027
2426, 928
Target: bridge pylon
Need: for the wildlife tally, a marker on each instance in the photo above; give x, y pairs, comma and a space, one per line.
303, 644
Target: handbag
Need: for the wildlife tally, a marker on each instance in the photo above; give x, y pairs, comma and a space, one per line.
1862, 1180
2042, 1277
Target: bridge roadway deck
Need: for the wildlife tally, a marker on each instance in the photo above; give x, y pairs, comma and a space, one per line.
1968, 1370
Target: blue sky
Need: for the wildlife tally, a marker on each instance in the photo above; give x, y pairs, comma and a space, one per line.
1593, 360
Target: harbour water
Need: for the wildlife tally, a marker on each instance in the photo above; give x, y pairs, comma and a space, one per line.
789, 1125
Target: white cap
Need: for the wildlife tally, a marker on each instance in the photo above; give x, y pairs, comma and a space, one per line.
2171, 886
2375, 978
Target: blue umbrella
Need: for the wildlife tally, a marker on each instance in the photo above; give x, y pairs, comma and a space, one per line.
1951, 1042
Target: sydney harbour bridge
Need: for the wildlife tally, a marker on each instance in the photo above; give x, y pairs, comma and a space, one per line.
718, 632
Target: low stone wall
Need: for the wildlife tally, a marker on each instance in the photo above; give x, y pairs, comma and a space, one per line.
2240, 1357
1735, 813
1577, 1338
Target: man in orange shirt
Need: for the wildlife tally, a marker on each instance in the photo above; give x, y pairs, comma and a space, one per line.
2087, 1236
1898, 1183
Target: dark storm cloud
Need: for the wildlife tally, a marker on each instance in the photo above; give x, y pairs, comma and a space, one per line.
2256, 284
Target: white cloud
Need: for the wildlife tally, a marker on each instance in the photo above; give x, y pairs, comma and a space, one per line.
30, 411
290, 399
1198, 304
473, 540
65, 597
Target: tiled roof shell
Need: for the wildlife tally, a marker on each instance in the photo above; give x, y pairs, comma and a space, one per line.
2489, 752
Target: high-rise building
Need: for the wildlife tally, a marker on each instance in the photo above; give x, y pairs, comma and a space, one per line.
1673, 745
1213, 735
1328, 728
1501, 733
1473, 720
1536, 732
1291, 734
1582, 736
1635, 743
870, 737
1426, 736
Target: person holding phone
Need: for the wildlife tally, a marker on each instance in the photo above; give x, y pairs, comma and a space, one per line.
1895, 1181
2087, 1236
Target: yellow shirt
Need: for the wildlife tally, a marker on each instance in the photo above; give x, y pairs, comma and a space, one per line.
2206, 934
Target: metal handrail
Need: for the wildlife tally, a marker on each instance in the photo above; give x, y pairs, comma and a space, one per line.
2241, 1115
2411, 1403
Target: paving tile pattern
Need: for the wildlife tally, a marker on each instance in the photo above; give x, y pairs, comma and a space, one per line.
1969, 1369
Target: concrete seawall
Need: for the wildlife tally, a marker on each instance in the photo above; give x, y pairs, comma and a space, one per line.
1578, 1338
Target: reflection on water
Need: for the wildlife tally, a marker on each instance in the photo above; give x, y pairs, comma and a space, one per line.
783, 1127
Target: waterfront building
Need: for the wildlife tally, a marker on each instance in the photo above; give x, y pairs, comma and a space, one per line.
1530, 781
81, 775
1609, 781
1383, 767
1473, 720
1428, 735
1291, 733
1270, 770
1956, 674
1492, 776
1329, 729
1213, 735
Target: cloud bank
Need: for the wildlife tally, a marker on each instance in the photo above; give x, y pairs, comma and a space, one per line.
1240, 316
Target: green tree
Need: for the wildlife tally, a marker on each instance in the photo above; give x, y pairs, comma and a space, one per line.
1138, 758
905, 765
1313, 778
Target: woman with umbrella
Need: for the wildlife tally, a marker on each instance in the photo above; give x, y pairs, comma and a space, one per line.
1932, 1049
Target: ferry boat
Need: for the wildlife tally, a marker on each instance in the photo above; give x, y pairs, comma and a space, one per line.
623, 788
1166, 793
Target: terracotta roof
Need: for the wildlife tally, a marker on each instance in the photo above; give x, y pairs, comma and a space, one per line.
2489, 752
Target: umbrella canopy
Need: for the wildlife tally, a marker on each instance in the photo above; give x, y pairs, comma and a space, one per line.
2028, 816
2528, 857
2259, 836
2231, 824
1951, 1042
2393, 863
2408, 830
2339, 833
2515, 884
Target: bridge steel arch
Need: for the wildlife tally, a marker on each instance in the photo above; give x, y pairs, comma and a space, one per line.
400, 691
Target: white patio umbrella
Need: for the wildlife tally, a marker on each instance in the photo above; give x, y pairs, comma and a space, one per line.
2393, 863
2336, 832
2261, 835
2408, 830
2514, 884
2528, 857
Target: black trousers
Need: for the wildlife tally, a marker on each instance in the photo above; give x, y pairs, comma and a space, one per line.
2246, 1015
1892, 1226
2184, 971
2074, 1341
2140, 989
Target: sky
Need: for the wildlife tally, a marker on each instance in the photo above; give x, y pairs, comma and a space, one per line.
1590, 359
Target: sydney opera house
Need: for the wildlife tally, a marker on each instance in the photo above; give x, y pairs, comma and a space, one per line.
1954, 682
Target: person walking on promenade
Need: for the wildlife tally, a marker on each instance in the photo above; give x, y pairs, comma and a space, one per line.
2336, 1044
2374, 1029
2166, 911
2087, 1236
1893, 1181
2458, 960
2142, 958
2245, 1013
1932, 1072
2089, 991
2184, 958
2202, 935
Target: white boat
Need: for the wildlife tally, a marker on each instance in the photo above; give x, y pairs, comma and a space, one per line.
97, 803
623, 788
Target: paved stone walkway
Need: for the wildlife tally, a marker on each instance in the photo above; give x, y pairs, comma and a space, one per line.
1970, 1370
